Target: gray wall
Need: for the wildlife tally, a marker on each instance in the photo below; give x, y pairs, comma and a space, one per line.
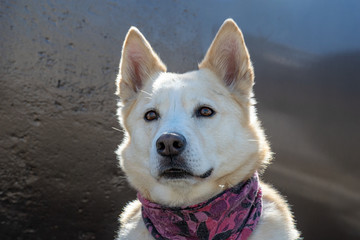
58, 172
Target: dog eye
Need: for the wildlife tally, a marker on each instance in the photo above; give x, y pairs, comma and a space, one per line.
151, 115
205, 112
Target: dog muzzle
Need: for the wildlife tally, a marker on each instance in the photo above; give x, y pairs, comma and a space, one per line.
232, 214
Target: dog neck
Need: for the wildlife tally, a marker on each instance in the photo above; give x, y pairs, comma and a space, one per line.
232, 214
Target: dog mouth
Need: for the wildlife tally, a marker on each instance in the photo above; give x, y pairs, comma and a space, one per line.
179, 173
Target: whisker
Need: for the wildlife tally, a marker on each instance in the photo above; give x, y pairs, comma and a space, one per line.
120, 130
146, 93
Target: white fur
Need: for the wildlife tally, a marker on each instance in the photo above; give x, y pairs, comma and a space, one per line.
231, 142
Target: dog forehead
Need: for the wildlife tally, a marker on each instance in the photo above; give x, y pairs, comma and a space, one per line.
195, 84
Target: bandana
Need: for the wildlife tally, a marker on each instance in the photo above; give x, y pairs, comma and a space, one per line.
232, 214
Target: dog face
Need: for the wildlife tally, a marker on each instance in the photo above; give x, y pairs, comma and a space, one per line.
188, 136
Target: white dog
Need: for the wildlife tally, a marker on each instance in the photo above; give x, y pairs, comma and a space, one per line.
193, 147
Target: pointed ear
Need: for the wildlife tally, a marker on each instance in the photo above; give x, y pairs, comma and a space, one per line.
229, 59
138, 64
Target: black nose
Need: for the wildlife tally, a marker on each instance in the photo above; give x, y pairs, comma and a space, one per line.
170, 144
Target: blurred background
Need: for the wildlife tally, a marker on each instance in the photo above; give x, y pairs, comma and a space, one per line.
59, 177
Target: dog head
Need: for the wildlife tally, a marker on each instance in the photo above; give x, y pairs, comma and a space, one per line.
188, 136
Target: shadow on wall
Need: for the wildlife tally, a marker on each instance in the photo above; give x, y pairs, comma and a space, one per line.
307, 103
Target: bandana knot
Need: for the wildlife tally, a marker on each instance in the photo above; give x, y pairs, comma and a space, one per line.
232, 214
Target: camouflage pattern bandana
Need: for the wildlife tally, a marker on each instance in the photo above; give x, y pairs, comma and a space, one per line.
232, 214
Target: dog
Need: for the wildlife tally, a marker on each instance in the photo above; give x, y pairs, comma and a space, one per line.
193, 147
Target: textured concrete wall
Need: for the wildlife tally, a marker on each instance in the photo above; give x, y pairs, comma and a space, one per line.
58, 172
59, 178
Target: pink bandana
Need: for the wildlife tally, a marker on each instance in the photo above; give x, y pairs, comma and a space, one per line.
233, 214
